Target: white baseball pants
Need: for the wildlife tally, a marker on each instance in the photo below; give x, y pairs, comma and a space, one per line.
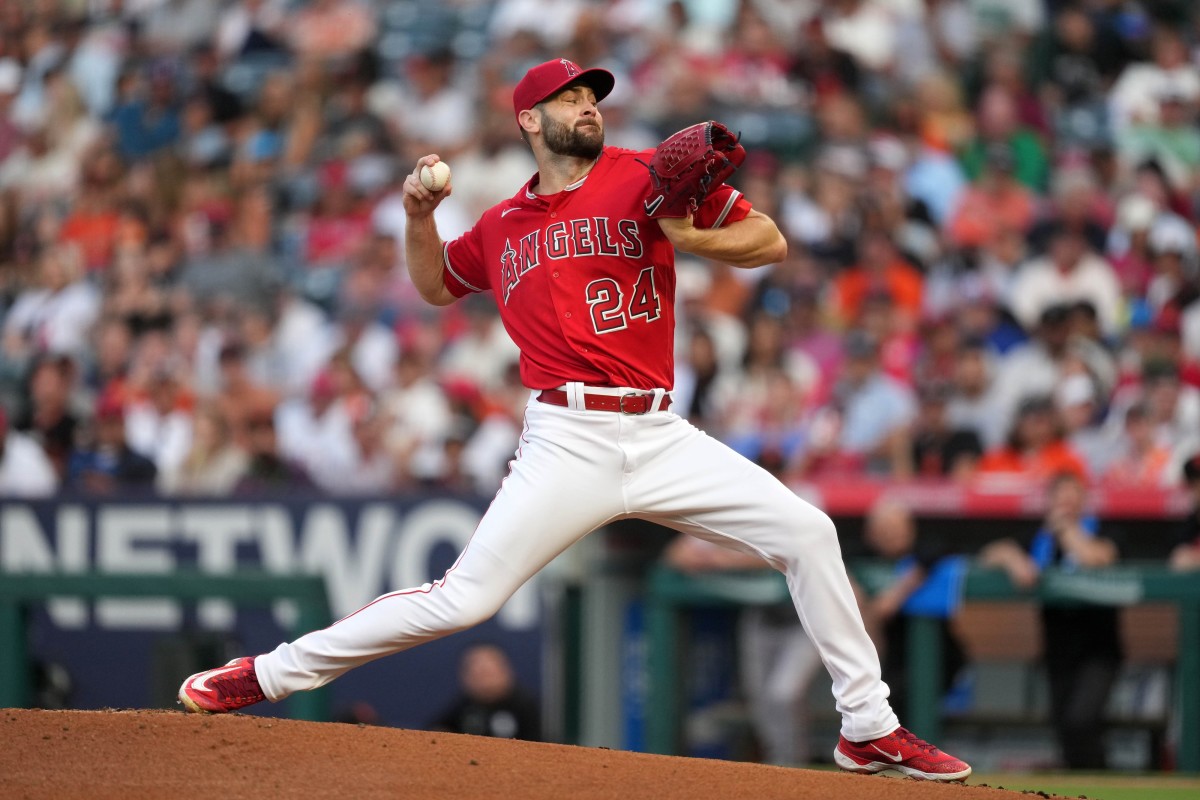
574, 472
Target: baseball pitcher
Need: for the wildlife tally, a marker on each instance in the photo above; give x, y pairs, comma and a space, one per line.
580, 262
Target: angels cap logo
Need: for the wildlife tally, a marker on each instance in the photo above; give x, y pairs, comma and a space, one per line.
571, 67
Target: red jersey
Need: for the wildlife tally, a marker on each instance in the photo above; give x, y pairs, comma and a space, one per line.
584, 280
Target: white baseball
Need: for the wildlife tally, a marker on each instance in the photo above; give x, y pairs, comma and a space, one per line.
436, 177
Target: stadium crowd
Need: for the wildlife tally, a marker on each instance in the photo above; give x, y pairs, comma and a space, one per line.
991, 205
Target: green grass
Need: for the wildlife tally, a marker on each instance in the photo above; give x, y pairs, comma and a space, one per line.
1099, 787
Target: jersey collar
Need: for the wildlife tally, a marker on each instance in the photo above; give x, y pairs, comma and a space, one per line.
529, 194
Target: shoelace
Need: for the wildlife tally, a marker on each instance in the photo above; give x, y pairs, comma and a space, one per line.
238, 686
907, 736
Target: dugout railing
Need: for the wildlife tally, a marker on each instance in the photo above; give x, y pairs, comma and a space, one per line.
20, 592
670, 593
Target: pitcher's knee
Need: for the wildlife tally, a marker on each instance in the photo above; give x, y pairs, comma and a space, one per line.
812, 533
467, 612
816, 529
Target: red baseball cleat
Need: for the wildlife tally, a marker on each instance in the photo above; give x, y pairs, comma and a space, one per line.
902, 751
224, 689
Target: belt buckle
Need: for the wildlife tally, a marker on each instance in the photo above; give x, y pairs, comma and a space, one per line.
645, 408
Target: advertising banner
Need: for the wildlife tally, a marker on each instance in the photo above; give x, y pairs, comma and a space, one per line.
116, 652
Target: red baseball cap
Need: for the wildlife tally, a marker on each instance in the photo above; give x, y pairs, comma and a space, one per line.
546, 80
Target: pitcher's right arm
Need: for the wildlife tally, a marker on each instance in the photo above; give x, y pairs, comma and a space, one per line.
422, 243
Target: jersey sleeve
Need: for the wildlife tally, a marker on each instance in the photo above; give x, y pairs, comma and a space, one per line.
462, 258
721, 207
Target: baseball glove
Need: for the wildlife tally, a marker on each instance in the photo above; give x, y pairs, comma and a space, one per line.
688, 165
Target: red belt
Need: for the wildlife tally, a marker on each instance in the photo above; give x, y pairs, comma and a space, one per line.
628, 403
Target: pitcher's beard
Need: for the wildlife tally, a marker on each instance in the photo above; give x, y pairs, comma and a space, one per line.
585, 141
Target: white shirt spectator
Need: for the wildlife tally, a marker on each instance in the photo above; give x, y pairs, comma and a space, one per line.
165, 439
336, 461
867, 33
484, 180
1135, 95
1040, 284
240, 19
996, 18
420, 420
55, 321
552, 21
25, 470
480, 356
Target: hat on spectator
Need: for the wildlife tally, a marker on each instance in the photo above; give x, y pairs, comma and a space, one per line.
888, 152
1136, 212
1037, 404
1172, 235
10, 76
1075, 390
548, 78
1171, 91
847, 161
109, 407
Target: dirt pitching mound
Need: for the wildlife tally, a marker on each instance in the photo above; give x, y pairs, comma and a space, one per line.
124, 754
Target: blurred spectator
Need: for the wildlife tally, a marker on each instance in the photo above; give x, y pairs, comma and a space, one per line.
354, 458
25, 471
1068, 272
1035, 450
489, 448
776, 659
931, 447
1186, 554
1073, 64
971, 403
924, 582
50, 418
700, 383
1077, 202
999, 125
879, 269
1077, 401
239, 396
177, 176
483, 352
1170, 137
330, 29
146, 118
1140, 460
490, 702
268, 472
239, 265
1128, 246
10, 83
429, 111
1173, 259
212, 466
250, 27
105, 463
858, 427
56, 315
1036, 367
158, 421
994, 205
1136, 96
419, 417
762, 419
1080, 642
